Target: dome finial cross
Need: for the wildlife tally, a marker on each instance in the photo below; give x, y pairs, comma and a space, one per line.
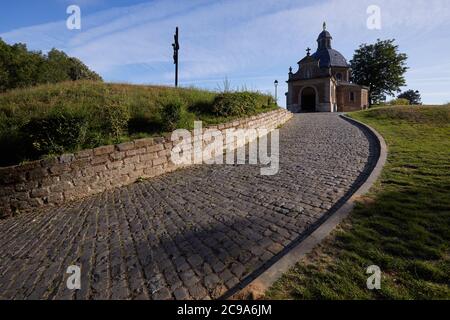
308, 51
324, 26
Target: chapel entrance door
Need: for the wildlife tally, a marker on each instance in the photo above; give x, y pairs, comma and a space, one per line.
308, 100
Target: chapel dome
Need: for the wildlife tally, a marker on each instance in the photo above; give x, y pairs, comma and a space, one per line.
328, 57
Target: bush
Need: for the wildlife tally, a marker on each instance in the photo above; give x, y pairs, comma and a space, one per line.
171, 114
235, 104
413, 96
116, 117
56, 133
399, 102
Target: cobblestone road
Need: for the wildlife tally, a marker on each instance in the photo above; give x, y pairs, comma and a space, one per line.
192, 234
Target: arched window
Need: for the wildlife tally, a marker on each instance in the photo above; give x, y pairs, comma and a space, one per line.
339, 76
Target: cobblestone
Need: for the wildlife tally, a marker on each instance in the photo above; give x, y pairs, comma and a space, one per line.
193, 233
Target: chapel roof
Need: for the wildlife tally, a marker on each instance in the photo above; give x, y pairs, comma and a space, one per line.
326, 54
330, 58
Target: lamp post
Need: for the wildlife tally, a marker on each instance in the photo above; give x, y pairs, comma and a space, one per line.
276, 91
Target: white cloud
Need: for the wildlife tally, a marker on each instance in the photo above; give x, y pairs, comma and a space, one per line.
83, 3
252, 41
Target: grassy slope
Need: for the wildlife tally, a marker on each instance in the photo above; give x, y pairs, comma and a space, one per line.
403, 225
145, 103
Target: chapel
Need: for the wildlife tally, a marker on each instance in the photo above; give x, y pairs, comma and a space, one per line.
323, 82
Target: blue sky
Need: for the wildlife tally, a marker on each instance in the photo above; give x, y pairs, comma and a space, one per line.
250, 42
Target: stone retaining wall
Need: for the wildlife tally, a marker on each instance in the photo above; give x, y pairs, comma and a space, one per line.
69, 177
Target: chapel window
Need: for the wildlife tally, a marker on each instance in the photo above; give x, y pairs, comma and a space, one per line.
352, 96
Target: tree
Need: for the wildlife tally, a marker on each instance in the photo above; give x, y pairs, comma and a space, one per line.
20, 67
413, 96
380, 67
55, 69
79, 71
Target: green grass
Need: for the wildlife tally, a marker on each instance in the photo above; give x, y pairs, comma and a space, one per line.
403, 225
89, 100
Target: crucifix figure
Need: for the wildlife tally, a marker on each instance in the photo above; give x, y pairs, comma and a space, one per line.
308, 51
176, 48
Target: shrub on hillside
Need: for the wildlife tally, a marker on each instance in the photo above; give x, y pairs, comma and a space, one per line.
116, 116
399, 102
171, 114
235, 104
56, 133
413, 96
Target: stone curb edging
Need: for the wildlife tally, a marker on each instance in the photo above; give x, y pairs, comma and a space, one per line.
258, 286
